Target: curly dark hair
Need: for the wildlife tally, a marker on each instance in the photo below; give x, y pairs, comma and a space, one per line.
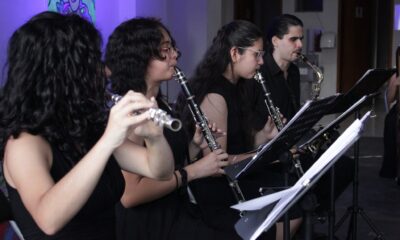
55, 84
130, 48
239, 33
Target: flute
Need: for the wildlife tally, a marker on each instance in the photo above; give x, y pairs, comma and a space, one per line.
158, 116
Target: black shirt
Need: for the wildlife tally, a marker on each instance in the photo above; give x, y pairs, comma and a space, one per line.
285, 93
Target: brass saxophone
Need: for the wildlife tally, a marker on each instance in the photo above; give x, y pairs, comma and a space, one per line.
202, 121
316, 145
272, 110
316, 87
159, 116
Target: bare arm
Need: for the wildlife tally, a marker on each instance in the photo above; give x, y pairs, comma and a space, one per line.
216, 110
155, 160
53, 204
139, 189
268, 132
392, 89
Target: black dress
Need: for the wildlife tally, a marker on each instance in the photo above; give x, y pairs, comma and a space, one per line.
156, 219
96, 219
213, 194
390, 162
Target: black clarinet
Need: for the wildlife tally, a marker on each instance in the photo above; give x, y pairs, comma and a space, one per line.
202, 122
272, 110
276, 117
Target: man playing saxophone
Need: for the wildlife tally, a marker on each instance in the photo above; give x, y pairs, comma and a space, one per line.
282, 78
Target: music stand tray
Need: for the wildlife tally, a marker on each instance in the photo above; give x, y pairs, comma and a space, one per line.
356, 106
261, 213
310, 113
368, 84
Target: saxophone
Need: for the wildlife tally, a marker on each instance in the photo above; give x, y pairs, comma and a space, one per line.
316, 145
159, 116
316, 87
272, 110
202, 121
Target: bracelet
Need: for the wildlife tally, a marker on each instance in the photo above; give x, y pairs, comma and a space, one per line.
176, 181
183, 173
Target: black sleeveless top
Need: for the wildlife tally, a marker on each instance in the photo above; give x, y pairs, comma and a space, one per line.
213, 194
96, 219
156, 220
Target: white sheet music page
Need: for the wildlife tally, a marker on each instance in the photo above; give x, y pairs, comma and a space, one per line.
288, 197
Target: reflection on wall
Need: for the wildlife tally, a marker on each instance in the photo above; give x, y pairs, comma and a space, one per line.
84, 8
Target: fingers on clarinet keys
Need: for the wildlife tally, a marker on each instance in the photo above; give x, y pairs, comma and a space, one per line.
158, 116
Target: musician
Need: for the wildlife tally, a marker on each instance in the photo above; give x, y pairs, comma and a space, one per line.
140, 55
62, 154
233, 57
284, 43
390, 163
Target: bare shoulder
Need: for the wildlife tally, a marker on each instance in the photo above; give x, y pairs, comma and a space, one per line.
214, 102
24, 152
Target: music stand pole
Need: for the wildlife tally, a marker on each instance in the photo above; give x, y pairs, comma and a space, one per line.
355, 208
331, 214
285, 159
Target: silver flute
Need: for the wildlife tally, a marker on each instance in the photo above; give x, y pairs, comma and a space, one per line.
202, 121
158, 116
272, 109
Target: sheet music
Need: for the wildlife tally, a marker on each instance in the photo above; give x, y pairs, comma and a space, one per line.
288, 197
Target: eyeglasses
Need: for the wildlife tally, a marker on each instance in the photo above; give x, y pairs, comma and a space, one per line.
259, 53
170, 51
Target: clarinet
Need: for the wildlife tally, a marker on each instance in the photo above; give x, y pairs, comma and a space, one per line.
272, 110
158, 116
202, 122
276, 116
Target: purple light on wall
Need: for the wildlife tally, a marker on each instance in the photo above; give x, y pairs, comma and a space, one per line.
396, 17
12, 15
109, 14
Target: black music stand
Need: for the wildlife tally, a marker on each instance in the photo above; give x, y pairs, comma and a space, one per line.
261, 213
368, 84
294, 130
320, 134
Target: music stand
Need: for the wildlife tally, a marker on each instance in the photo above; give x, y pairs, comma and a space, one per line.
294, 130
320, 134
261, 213
368, 84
